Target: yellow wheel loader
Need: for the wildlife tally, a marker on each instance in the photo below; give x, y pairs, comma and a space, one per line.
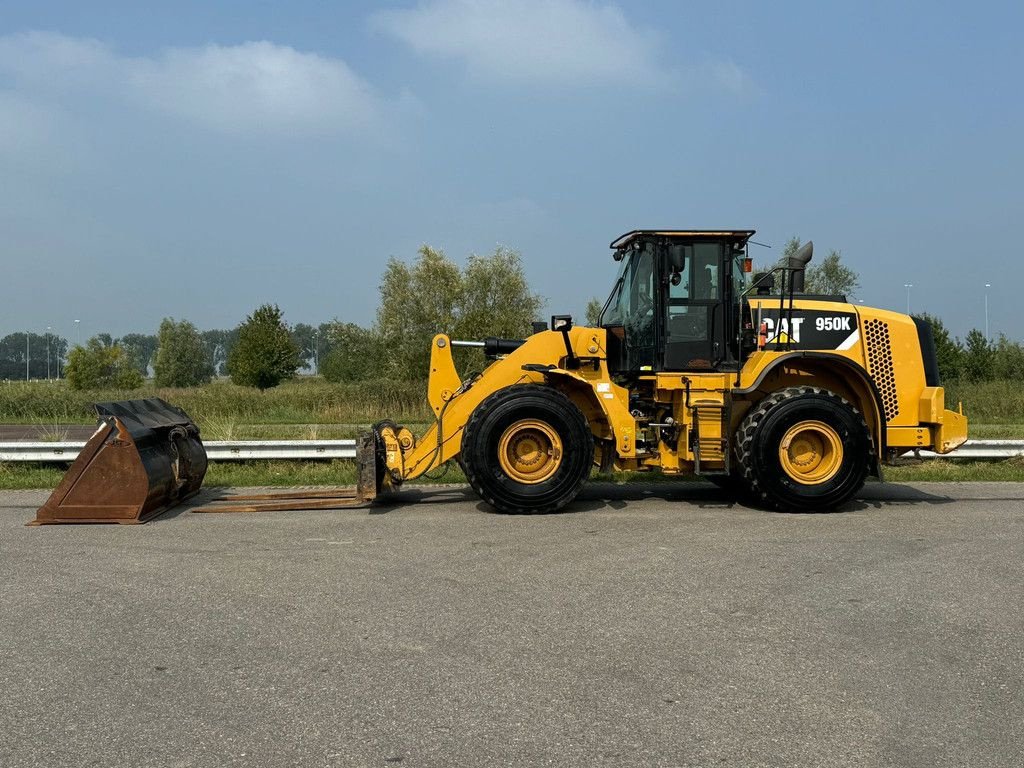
789, 398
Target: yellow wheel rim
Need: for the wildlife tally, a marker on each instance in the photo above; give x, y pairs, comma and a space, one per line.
529, 451
811, 452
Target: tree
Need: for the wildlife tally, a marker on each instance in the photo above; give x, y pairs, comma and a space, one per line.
948, 351
415, 303
181, 359
978, 357
831, 277
355, 353
264, 354
1008, 359
141, 350
593, 312
495, 299
489, 298
99, 366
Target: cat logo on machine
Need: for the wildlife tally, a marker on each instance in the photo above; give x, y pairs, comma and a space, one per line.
812, 330
787, 333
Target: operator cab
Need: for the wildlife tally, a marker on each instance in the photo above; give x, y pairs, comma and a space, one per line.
674, 306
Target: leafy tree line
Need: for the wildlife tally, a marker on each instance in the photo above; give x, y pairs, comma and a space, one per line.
976, 358
13, 355
489, 296
261, 352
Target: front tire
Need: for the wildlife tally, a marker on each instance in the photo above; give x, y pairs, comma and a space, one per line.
527, 449
804, 449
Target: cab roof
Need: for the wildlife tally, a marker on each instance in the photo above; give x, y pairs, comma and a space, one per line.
739, 236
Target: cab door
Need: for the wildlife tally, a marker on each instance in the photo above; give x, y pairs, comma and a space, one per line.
695, 317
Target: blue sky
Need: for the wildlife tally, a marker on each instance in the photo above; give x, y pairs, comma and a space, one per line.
283, 151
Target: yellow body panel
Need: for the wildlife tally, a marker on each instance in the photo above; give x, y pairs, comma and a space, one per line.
877, 366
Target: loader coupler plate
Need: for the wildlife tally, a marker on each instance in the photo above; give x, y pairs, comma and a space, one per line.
144, 458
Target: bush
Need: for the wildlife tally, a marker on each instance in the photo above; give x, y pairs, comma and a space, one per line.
96, 366
355, 354
181, 357
264, 354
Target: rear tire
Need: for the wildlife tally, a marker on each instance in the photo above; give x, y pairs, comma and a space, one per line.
527, 449
804, 449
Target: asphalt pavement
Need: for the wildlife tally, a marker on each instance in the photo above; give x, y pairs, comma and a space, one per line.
46, 433
651, 625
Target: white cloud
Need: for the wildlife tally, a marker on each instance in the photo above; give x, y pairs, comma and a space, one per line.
255, 86
555, 42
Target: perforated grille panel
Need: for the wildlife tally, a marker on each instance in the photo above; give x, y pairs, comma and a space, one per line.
880, 365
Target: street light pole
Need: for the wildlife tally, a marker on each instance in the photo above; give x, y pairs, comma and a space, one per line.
27, 355
908, 286
47, 353
78, 333
987, 337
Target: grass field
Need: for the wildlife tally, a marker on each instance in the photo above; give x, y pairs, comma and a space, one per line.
312, 409
226, 411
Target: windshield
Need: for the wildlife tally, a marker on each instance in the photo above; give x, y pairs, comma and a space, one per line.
633, 295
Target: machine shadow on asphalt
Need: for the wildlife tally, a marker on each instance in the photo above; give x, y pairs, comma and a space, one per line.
599, 496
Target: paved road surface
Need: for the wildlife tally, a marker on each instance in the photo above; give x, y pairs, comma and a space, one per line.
654, 626
37, 432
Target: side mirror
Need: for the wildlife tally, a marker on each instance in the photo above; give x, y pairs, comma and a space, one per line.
676, 258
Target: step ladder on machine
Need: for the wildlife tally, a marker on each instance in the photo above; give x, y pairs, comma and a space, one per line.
709, 437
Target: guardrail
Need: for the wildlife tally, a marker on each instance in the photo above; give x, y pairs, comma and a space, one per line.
982, 449
304, 450
225, 451
216, 450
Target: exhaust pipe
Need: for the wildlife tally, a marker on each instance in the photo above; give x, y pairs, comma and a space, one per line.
798, 264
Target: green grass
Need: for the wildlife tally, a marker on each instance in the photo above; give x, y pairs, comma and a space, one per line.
287, 473
940, 470
988, 402
311, 408
220, 404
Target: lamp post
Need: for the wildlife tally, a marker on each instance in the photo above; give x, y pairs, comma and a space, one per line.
26, 355
47, 353
78, 333
908, 286
987, 338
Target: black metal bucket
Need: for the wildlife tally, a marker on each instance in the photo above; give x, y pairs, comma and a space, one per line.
144, 458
